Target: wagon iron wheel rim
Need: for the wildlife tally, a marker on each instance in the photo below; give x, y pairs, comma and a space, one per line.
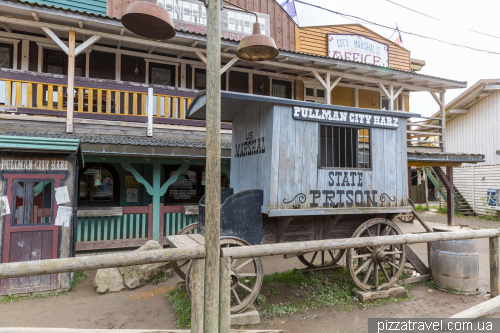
246, 277
376, 267
181, 267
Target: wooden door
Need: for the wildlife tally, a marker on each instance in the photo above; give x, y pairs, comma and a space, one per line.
30, 232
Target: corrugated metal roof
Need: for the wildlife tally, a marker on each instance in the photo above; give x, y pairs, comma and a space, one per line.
38, 143
27, 142
232, 40
94, 6
113, 139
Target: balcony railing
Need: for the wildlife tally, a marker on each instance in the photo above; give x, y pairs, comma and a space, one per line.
46, 94
425, 134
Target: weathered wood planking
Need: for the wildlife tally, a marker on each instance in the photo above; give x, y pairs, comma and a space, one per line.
289, 165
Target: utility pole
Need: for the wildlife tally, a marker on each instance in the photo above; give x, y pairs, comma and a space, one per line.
213, 179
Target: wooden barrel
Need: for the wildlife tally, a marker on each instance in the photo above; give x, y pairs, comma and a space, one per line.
455, 265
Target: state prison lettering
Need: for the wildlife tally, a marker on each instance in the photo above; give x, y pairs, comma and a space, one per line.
344, 117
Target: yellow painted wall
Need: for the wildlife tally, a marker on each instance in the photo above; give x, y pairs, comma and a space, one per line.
312, 40
343, 96
366, 98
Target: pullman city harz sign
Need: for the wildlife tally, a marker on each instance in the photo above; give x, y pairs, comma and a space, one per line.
344, 117
358, 48
191, 15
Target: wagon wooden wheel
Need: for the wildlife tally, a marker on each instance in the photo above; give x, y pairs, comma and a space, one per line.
376, 267
320, 259
180, 267
408, 217
246, 277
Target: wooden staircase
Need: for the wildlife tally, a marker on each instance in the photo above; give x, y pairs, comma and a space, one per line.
461, 205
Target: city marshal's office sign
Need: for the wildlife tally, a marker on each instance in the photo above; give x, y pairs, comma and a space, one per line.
358, 48
344, 117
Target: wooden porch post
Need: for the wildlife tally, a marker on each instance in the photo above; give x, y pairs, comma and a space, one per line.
156, 200
71, 82
494, 267
447, 181
213, 178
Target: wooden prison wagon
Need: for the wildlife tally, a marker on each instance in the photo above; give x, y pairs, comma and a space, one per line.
306, 171
38, 192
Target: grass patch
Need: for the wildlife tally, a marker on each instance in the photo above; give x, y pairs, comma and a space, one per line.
78, 277
182, 306
421, 208
445, 211
488, 218
162, 277
299, 292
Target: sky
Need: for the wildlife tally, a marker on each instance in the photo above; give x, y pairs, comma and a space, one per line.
442, 60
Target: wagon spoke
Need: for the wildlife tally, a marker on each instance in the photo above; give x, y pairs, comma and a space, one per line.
376, 277
368, 273
368, 231
314, 256
322, 257
233, 263
385, 273
393, 265
244, 287
243, 265
362, 256
331, 254
236, 296
386, 231
184, 264
247, 274
360, 268
394, 252
378, 229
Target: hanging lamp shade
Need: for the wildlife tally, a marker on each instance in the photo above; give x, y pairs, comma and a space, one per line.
148, 20
257, 47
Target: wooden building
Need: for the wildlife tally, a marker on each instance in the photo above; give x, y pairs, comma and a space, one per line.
39, 196
472, 128
153, 161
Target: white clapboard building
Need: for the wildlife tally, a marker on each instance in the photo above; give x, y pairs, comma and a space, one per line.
472, 126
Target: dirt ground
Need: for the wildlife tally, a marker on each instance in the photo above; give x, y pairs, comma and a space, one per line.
148, 308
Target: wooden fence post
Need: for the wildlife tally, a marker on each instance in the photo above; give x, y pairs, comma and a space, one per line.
225, 295
197, 293
494, 267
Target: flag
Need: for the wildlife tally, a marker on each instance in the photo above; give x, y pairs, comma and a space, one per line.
289, 7
396, 36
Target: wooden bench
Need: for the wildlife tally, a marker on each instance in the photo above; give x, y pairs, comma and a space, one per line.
178, 241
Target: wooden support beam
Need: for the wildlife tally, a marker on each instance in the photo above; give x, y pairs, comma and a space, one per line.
71, 82
151, 49
480, 310
201, 56
284, 59
436, 98
213, 169
459, 111
56, 39
197, 292
225, 295
80, 24
397, 93
193, 43
494, 267
384, 91
5, 27
354, 243
35, 15
63, 265
89, 42
228, 65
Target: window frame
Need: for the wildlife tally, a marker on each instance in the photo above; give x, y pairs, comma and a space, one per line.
11, 47
315, 98
370, 161
14, 197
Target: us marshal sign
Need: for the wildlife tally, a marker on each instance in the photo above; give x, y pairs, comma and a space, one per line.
344, 117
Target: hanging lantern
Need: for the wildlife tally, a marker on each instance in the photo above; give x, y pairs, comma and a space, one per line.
148, 20
257, 47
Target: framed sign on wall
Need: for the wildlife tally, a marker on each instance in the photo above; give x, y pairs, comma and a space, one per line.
358, 48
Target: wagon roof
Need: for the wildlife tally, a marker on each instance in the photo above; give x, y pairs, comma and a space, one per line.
232, 103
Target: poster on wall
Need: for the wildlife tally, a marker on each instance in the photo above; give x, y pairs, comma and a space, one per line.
130, 181
185, 188
132, 194
358, 48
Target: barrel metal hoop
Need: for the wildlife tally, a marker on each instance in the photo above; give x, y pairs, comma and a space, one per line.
472, 254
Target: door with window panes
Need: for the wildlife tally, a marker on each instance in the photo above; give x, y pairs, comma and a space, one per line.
30, 232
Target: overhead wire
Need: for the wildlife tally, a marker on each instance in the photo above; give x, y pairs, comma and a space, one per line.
353, 18
434, 18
